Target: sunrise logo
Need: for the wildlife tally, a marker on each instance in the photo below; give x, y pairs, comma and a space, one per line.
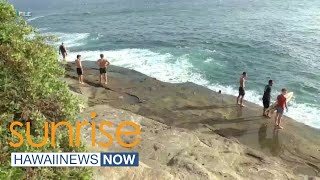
68, 159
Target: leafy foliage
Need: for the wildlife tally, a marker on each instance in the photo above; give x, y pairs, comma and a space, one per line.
31, 87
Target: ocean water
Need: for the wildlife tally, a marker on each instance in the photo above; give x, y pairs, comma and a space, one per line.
208, 42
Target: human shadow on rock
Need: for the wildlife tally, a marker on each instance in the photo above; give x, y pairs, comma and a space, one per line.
273, 144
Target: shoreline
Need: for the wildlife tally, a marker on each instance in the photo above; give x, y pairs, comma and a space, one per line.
296, 110
192, 107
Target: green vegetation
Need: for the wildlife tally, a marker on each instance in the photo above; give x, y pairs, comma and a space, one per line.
31, 91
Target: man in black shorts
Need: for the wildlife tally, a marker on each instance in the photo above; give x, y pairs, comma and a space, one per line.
242, 89
266, 98
79, 69
103, 64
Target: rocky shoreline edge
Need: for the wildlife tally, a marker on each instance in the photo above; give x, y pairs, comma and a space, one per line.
191, 132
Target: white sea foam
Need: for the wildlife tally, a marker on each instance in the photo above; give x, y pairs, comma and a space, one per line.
168, 68
42, 29
210, 51
34, 18
71, 39
209, 60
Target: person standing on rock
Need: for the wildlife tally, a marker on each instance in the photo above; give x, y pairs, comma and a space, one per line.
63, 51
266, 98
79, 69
242, 89
281, 104
103, 64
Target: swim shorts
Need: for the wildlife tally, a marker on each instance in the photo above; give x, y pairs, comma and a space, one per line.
103, 70
241, 91
79, 71
279, 110
266, 102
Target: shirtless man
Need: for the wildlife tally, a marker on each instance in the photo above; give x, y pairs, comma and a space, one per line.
63, 51
79, 69
103, 64
242, 88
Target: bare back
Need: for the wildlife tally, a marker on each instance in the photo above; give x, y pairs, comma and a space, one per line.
242, 82
103, 63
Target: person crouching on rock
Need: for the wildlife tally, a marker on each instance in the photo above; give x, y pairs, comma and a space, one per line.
266, 98
79, 69
282, 103
103, 64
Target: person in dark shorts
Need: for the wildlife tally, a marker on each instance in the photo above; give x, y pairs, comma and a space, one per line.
103, 64
242, 89
63, 51
282, 103
79, 69
267, 98
103, 70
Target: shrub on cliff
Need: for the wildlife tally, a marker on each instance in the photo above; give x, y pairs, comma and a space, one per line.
31, 91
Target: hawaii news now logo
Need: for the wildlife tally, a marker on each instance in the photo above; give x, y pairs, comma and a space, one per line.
75, 159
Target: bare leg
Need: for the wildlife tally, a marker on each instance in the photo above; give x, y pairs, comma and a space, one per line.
241, 99
279, 121
268, 114
105, 78
81, 77
100, 78
276, 119
238, 99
